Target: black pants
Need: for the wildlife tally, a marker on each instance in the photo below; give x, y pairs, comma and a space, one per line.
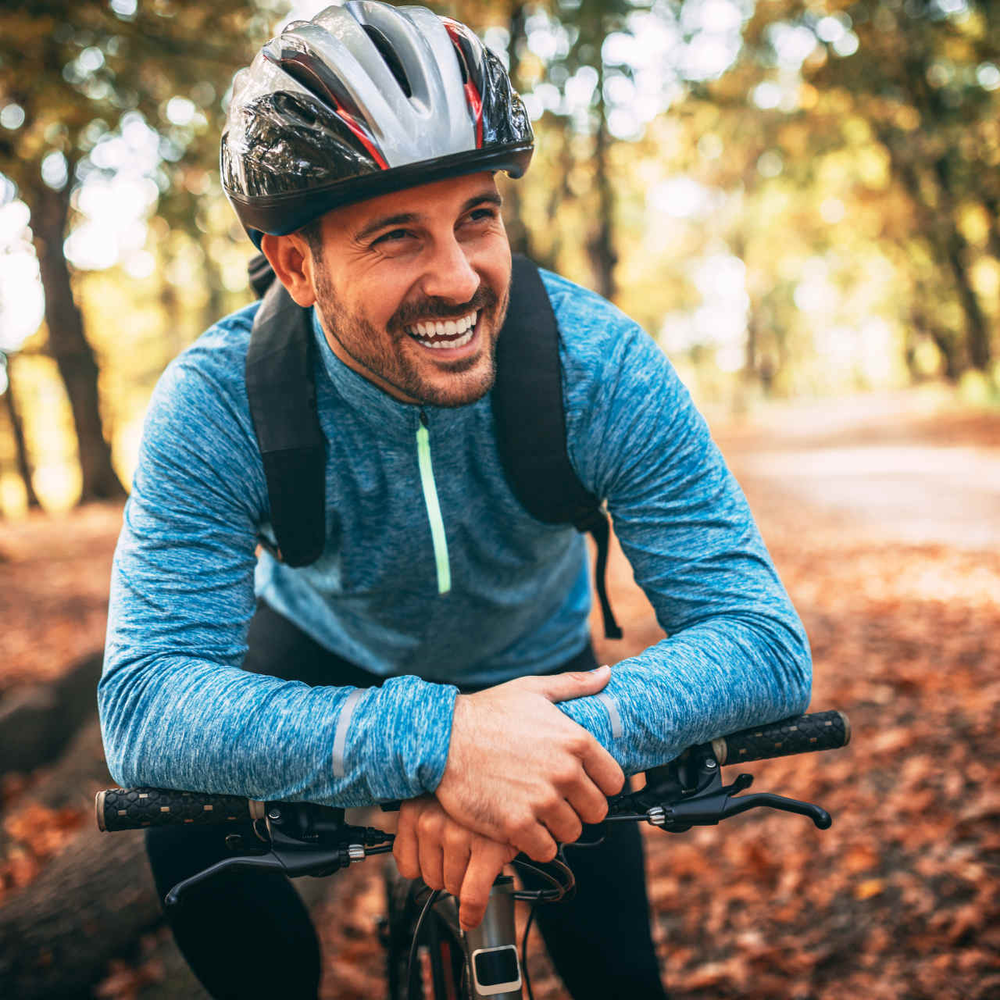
248, 933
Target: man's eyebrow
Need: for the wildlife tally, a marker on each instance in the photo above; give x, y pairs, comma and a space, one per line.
408, 218
492, 197
400, 219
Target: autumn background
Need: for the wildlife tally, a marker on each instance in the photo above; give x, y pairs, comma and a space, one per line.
800, 202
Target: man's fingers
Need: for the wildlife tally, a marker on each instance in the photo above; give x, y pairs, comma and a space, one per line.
533, 839
603, 769
431, 862
572, 684
563, 823
587, 801
404, 848
456, 862
486, 863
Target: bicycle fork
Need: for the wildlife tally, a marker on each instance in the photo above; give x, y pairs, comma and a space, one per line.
491, 949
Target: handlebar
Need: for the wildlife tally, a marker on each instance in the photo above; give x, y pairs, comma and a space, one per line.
138, 808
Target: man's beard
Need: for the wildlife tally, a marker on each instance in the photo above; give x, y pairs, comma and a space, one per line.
377, 351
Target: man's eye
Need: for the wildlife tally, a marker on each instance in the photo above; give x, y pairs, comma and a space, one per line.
482, 214
393, 236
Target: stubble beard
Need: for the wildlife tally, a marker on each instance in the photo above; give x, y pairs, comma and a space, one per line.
467, 379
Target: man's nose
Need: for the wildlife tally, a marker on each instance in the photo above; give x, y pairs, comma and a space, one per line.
449, 274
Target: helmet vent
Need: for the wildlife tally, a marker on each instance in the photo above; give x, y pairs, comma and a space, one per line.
387, 52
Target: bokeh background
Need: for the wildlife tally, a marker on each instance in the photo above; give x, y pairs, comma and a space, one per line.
800, 202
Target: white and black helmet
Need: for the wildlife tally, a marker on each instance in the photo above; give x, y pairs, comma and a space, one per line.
362, 100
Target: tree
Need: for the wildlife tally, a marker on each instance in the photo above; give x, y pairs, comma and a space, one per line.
70, 74
923, 77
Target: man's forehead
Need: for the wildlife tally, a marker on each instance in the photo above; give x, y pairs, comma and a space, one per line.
427, 200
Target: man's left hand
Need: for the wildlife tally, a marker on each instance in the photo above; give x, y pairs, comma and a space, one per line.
446, 855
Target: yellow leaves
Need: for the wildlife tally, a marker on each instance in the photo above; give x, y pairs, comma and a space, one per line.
873, 167
868, 888
907, 118
984, 276
974, 223
795, 138
856, 130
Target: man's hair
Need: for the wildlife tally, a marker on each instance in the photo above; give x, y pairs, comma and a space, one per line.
311, 233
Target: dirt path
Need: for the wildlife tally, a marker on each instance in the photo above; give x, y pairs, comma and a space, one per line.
884, 472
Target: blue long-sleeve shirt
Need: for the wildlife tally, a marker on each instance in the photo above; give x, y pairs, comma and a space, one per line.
432, 569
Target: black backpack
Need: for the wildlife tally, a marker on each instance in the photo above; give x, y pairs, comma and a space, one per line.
527, 408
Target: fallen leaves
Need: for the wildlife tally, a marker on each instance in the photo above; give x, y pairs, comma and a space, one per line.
898, 899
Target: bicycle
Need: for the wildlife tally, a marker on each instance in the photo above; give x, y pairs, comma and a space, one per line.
301, 838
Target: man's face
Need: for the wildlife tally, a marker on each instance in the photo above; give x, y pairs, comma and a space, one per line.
412, 289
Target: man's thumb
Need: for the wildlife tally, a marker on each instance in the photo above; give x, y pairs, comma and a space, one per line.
574, 684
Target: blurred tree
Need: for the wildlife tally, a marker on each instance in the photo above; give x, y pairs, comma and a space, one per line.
922, 77
71, 73
17, 432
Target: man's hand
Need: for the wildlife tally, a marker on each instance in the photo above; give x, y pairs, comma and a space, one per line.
520, 772
431, 845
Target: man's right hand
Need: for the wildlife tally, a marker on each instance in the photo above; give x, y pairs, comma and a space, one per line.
521, 772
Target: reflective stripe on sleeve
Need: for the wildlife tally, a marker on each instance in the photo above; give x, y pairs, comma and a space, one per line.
613, 715
340, 736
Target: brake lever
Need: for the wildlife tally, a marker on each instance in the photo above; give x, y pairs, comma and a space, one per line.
241, 861
818, 815
691, 793
304, 840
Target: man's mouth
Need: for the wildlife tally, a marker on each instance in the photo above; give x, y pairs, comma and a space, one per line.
452, 333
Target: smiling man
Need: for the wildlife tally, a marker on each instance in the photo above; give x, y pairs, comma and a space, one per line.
422, 337
434, 648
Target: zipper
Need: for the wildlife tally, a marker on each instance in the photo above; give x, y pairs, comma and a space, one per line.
433, 507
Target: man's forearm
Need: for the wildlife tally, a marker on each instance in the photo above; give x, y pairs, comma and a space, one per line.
176, 722
716, 677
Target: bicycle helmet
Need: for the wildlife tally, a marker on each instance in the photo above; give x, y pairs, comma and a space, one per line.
363, 100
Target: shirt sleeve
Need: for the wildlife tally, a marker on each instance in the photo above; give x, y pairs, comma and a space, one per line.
736, 653
177, 711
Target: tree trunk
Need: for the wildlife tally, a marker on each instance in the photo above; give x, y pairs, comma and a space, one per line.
37, 720
976, 331
517, 232
976, 328
20, 446
88, 905
68, 344
602, 245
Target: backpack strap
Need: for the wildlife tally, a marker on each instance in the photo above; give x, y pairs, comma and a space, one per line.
528, 412
282, 395
530, 418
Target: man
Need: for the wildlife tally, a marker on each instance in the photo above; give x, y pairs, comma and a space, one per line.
359, 153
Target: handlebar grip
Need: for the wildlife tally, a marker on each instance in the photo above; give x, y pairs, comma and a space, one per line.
800, 734
137, 808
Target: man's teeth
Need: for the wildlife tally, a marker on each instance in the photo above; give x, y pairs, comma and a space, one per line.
451, 333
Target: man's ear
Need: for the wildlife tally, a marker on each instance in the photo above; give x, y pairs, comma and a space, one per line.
293, 265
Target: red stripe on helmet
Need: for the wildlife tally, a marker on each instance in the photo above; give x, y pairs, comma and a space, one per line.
476, 104
351, 122
472, 96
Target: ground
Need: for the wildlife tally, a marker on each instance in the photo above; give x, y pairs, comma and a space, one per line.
883, 520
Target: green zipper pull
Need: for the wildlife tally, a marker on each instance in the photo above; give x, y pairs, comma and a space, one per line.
433, 507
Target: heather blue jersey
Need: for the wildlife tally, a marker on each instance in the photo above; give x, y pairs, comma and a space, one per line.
432, 573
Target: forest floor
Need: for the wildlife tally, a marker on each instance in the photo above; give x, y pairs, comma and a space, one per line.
884, 522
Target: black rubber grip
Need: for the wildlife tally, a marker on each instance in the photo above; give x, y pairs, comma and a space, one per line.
819, 731
136, 808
